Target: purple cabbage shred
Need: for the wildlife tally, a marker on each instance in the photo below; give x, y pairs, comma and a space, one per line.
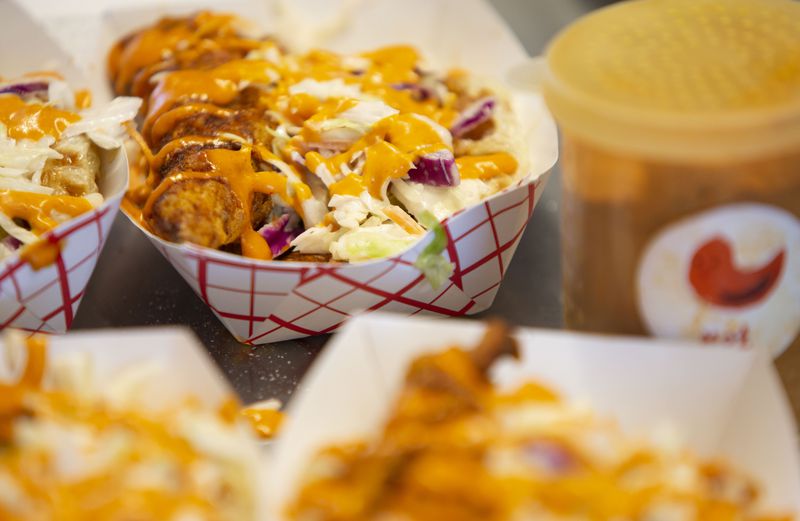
419, 92
10, 242
280, 233
473, 116
26, 90
436, 169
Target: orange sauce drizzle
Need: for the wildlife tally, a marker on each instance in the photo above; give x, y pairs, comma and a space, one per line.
132, 209
83, 98
139, 180
265, 421
229, 409
41, 253
351, 184
302, 106
235, 167
190, 84
328, 110
147, 47
394, 64
37, 209
218, 86
136, 136
302, 191
391, 148
163, 123
174, 146
486, 167
34, 367
32, 120
384, 162
411, 134
97, 496
12, 395
35, 121
388, 150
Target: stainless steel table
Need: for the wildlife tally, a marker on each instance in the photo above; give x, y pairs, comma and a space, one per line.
134, 286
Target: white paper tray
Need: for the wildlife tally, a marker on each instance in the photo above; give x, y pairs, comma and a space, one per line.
47, 299
726, 402
264, 301
173, 351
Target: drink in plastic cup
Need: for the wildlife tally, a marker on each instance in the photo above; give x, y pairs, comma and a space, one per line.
680, 124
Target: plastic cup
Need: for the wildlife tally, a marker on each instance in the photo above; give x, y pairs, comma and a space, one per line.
680, 124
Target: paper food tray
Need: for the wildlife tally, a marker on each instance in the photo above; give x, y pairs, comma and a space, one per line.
265, 301
726, 402
173, 349
47, 299
189, 371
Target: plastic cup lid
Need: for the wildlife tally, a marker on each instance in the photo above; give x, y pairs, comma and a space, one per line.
675, 71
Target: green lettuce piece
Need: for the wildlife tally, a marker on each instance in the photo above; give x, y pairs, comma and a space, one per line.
367, 244
431, 261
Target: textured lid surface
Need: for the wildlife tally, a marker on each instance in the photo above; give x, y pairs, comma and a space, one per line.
684, 55
681, 80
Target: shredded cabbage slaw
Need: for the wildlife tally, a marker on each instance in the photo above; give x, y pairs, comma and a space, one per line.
41, 122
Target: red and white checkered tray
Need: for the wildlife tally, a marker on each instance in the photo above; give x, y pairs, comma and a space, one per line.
269, 301
262, 302
46, 300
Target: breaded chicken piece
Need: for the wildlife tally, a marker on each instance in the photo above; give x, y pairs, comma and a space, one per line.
204, 211
192, 158
76, 172
169, 47
122, 86
203, 58
243, 117
247, 124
